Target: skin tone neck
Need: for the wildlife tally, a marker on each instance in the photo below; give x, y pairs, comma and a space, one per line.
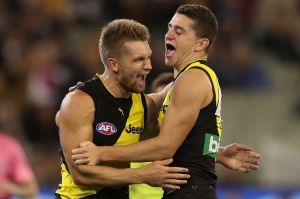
179, 68
110, 81
191, 57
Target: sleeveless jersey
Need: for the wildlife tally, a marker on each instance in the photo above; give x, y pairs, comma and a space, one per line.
117, 121
199, 149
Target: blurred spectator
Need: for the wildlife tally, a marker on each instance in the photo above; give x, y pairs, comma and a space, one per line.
46, 77
10, 120
16, 175
279, 28
243, 70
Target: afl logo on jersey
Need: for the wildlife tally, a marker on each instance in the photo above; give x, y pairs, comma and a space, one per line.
106, 128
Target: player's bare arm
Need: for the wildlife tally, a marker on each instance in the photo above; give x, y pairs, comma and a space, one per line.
236, 156
178, 121
75, 123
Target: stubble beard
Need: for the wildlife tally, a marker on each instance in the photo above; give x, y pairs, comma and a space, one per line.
130, 86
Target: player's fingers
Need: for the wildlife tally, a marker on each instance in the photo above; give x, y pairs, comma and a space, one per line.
243, 147
177, 170
178, 176
175, 181
253, 167
242, 169
79, 156
249, 167
254, 155
253, 161
78, 151
81, 161
164, 162
72, 88
170, 186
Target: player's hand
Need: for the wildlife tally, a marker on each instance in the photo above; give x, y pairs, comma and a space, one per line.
239, 157
72, 88
158, 174
85, 154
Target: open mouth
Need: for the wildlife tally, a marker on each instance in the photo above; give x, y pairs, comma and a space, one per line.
170, 50
141, 79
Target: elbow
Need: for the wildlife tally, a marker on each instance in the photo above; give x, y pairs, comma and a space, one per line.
79, 180
170, 152
166, 151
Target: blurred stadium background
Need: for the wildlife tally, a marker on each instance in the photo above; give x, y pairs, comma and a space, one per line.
47, 46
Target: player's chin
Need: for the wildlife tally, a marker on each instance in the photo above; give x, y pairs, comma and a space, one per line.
139, 89
169, 62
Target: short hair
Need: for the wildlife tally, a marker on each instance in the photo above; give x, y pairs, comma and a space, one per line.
205, 22
116, 33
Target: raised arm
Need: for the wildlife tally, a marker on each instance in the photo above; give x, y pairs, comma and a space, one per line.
75, 126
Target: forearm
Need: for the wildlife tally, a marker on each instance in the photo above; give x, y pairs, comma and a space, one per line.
107, 176
148, 150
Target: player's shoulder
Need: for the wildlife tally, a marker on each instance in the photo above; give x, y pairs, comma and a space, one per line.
77, 101
192, 78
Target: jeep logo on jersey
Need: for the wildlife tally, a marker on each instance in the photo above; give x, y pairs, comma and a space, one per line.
211, 145
106, 128
134, 129
163, 108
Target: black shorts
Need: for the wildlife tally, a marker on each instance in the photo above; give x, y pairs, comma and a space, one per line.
107, 193
192, 191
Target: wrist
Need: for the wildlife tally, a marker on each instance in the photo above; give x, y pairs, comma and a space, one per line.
137, 175
104, 154
219, 155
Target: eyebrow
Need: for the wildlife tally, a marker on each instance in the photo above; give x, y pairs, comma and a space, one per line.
142, 57
176, 27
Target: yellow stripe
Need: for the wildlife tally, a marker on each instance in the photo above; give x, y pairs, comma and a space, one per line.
219, 122
135, 119
215, 82
144, 191
212, 75
68, 189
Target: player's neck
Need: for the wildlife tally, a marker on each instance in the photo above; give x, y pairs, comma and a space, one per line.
192, 59
111, 84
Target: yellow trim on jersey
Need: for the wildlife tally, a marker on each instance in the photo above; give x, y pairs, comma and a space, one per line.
219, 124
70, 189
134, 120
216, 88
144, 191
212, 75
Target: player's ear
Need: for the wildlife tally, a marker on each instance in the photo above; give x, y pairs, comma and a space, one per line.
201, 44
113, 64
